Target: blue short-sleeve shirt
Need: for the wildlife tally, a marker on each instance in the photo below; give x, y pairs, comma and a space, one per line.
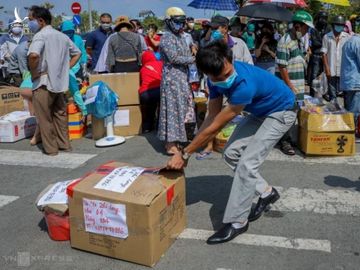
258, 90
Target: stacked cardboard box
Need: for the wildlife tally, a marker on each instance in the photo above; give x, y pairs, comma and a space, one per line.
326, 134
10, 100
127, 119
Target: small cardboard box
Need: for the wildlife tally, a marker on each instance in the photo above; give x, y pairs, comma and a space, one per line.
126, 85
127, 122
10, 100
137, 225
327, 134
16, 126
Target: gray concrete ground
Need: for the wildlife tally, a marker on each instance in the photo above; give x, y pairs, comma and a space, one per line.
278, 241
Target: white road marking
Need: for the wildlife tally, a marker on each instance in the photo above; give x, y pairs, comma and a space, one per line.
38, 159
4, 200
277, 155
264, 240
332, 202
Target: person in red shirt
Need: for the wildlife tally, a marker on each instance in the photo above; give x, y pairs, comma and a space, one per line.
149, 91
152, 39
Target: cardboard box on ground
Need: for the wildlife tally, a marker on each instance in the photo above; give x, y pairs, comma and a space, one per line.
327, 134
127, 119
124, 212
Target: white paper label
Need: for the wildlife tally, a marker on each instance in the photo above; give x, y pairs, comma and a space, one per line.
122, 118
105, 218
120, 179
91, 94
56, 195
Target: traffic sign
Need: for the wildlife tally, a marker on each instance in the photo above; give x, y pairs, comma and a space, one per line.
76, 8
77, 19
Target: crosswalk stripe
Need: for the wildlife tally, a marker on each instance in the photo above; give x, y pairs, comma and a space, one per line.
4, 200
264, 240
277, 155
38, 159
332, 202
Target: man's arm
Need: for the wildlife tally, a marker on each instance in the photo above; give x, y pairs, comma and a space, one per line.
285, 76
34, 61
215, 121
75, 53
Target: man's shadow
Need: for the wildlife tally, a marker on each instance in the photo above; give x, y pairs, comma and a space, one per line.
211, 189
338, 181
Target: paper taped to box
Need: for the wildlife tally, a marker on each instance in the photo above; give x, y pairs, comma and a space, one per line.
54, 197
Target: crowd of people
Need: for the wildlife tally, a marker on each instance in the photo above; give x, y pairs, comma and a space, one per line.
260, 67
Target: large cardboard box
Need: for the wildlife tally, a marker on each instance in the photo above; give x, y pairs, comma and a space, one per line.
126, 85
10, 100
16, 126
327, 134
127, 122
116, 212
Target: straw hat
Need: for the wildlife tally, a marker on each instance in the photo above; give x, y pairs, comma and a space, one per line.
122, 21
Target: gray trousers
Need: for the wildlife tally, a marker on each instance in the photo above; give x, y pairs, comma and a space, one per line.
246, 150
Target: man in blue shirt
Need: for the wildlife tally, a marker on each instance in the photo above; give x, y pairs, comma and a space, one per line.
350, 78
272, 108
96, 39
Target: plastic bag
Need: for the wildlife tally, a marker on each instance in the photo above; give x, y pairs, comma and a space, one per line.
101, 101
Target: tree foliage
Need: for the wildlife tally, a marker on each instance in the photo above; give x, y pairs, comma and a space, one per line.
85, 20
153, 20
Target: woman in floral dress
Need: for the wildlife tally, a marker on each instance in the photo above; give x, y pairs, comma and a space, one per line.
176, 104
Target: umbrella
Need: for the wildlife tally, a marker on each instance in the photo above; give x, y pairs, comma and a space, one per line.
345, 3
284, 3
214, 4
266, 11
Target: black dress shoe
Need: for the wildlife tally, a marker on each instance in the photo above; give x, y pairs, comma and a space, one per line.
226, 233
262, 204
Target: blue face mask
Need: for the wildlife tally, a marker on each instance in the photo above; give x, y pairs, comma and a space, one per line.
34, 26
177, 26
216, 35
338, 28
227, 83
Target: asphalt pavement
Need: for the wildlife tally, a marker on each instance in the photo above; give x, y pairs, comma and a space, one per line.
315, 225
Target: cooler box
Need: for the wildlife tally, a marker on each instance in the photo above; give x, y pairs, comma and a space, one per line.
16, 126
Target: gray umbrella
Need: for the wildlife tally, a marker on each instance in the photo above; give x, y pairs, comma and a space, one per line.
266, 11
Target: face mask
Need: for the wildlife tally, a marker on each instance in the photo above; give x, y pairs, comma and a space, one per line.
338, 28
191, 25
34, 26
140, 31
177, 26
299, 35
17, 30
106, 26
227, 83
216, 35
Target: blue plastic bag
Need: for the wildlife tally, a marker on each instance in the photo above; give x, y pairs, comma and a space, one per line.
105, 102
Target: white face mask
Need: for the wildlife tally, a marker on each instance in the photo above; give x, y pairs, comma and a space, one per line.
17, 30
191, 25
299, 35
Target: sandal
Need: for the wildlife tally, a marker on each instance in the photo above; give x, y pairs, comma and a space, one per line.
203, 155
287, 148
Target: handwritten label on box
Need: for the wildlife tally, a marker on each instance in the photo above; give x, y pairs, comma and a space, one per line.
120, 179
56, 195
105, 218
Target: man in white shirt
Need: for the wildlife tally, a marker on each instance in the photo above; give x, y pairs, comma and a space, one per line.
332, 55
49, 55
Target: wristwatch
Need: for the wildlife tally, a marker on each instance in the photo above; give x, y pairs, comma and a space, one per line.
185, 156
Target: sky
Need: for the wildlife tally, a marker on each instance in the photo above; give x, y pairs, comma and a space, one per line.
114, 7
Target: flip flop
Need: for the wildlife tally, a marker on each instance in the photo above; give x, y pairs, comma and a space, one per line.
203, 155
287, 149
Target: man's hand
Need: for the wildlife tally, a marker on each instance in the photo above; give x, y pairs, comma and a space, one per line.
176, 162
